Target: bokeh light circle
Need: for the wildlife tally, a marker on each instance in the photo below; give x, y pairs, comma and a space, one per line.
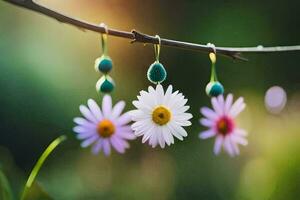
275, 99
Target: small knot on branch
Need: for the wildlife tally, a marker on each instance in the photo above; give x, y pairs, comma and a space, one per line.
143, 38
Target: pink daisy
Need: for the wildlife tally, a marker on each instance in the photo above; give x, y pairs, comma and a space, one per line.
104, 128
221, 124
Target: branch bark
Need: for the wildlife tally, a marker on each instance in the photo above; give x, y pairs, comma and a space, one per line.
135, 36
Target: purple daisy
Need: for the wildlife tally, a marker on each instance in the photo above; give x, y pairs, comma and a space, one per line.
104, 128
221, 124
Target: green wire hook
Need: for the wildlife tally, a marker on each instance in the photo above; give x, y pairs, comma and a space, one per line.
104, 38
157, 48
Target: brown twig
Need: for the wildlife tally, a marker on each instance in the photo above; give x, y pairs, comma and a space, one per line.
135, 36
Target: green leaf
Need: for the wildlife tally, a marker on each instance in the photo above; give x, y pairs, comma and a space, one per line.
5, 190
36, 192
39, 164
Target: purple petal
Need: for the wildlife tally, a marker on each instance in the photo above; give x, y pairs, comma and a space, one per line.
117, 144
106, 147
87, 114
124, 119
89, 141
83, 122
106, 106
95, 110
118, 108
85, 135
97, 147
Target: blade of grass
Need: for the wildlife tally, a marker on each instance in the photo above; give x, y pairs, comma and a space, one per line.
5, 189
40, 163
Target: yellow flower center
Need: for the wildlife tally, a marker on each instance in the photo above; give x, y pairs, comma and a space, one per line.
106, 128
161, 115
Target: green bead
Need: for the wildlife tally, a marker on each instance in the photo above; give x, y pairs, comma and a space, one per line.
156, 73
105, 84
214, 89
103, 64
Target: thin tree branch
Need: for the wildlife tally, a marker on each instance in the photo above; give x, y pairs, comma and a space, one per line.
135, 36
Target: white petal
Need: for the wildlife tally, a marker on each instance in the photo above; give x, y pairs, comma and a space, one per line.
107, 106
153, 139
160, 138
167, 135
182, 117
87, 114
218, 144
183, 123
179, 130
207, 134
168, 95
148, 134
159, 93
95, 110
138, 115
174, 132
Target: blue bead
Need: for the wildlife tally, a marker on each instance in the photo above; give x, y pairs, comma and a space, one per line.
103, 64
156, 73
105, 84
214, 89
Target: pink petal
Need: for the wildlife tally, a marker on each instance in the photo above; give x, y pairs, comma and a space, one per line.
217, 107
237, 107
228, 103
208, 113
207, 134
218, 144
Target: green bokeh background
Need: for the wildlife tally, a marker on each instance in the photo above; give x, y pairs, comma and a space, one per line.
46, 72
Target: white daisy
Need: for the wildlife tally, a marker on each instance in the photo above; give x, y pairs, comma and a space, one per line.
221, 124
160, 116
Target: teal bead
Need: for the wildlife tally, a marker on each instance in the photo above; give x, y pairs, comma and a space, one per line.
103, 64
214, 89
105, 84
156, 73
